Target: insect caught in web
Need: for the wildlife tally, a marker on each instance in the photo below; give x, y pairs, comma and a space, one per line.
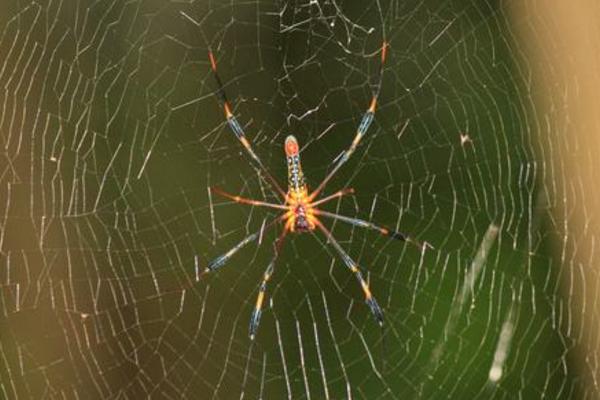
300, 207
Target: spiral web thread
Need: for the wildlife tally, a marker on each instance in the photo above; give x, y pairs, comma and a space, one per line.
112, 135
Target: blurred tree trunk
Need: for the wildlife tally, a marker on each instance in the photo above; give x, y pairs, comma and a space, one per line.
560, 45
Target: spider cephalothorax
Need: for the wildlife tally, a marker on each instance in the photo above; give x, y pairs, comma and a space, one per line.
300, 208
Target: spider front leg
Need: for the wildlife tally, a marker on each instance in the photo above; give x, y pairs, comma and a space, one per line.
362, 129
353, 267
236, 128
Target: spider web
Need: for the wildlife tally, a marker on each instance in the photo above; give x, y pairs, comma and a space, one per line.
112, 135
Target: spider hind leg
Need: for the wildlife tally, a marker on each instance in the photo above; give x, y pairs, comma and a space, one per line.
353, 267
257, 312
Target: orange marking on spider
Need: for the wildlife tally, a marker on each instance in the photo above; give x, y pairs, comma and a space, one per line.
291, 146
383, 51
213, 63
366, 289
228, 113
300, 213
259, 300
373, 105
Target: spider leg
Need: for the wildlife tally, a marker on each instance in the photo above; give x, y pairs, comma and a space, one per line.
236, 128
219, 261
369, 225
255, 318
362, 129
353, 267
244, 200
337, 194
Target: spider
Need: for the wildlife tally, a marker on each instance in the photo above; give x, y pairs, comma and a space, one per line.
300, 208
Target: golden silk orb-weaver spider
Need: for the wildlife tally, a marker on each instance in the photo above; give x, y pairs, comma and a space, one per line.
300, 208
